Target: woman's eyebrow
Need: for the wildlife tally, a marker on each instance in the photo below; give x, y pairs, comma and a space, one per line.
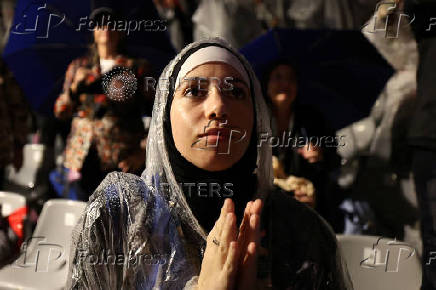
198, 80
188, 81
237, 80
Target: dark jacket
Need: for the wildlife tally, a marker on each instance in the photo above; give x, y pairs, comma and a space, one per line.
423, 125
309, 122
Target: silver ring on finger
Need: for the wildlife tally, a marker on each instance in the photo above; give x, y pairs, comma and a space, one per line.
216, 242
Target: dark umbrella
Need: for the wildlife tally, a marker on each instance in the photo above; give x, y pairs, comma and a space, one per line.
339, 72
47, 35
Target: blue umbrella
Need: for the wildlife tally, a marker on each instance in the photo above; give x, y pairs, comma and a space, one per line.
48, 34
339, 72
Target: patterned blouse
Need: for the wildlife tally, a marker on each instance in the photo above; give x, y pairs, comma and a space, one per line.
114, 128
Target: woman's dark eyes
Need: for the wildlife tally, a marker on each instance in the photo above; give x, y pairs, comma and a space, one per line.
196, 92
237, 93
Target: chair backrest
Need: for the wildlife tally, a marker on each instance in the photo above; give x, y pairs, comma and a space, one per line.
10, 202
32, 160
33, 155
57, 220
43, 263
377, 263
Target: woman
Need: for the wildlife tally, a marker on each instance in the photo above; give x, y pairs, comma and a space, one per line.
173, 237
307, 156
14, 113
106, 132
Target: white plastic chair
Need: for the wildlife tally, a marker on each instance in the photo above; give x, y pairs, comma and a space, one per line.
43, 264
32, 160
10, 202
377, 263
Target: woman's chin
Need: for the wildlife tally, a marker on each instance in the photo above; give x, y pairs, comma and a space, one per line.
213, 161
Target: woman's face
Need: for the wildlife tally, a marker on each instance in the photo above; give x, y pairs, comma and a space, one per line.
212, 117
282, 85
105, 36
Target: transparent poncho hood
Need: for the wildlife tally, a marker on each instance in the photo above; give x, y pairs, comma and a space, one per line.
157, 160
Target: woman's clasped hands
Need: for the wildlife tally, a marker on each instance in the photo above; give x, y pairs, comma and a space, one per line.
230, 259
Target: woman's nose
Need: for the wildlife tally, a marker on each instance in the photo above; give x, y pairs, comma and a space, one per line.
215, 104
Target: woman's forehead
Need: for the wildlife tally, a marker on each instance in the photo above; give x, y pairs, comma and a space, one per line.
214, 69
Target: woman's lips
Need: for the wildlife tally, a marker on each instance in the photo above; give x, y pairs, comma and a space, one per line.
218, 139
213, 136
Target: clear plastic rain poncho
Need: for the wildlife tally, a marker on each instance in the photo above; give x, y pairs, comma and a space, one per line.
136, 234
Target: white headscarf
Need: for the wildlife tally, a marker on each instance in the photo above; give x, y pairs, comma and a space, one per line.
211, 54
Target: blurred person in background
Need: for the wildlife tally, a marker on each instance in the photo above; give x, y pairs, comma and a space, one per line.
232, 20
383, 199
313, 162
422, 132
107, 134
6, 17
314, 14
14, 114
13, 111
178, 14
